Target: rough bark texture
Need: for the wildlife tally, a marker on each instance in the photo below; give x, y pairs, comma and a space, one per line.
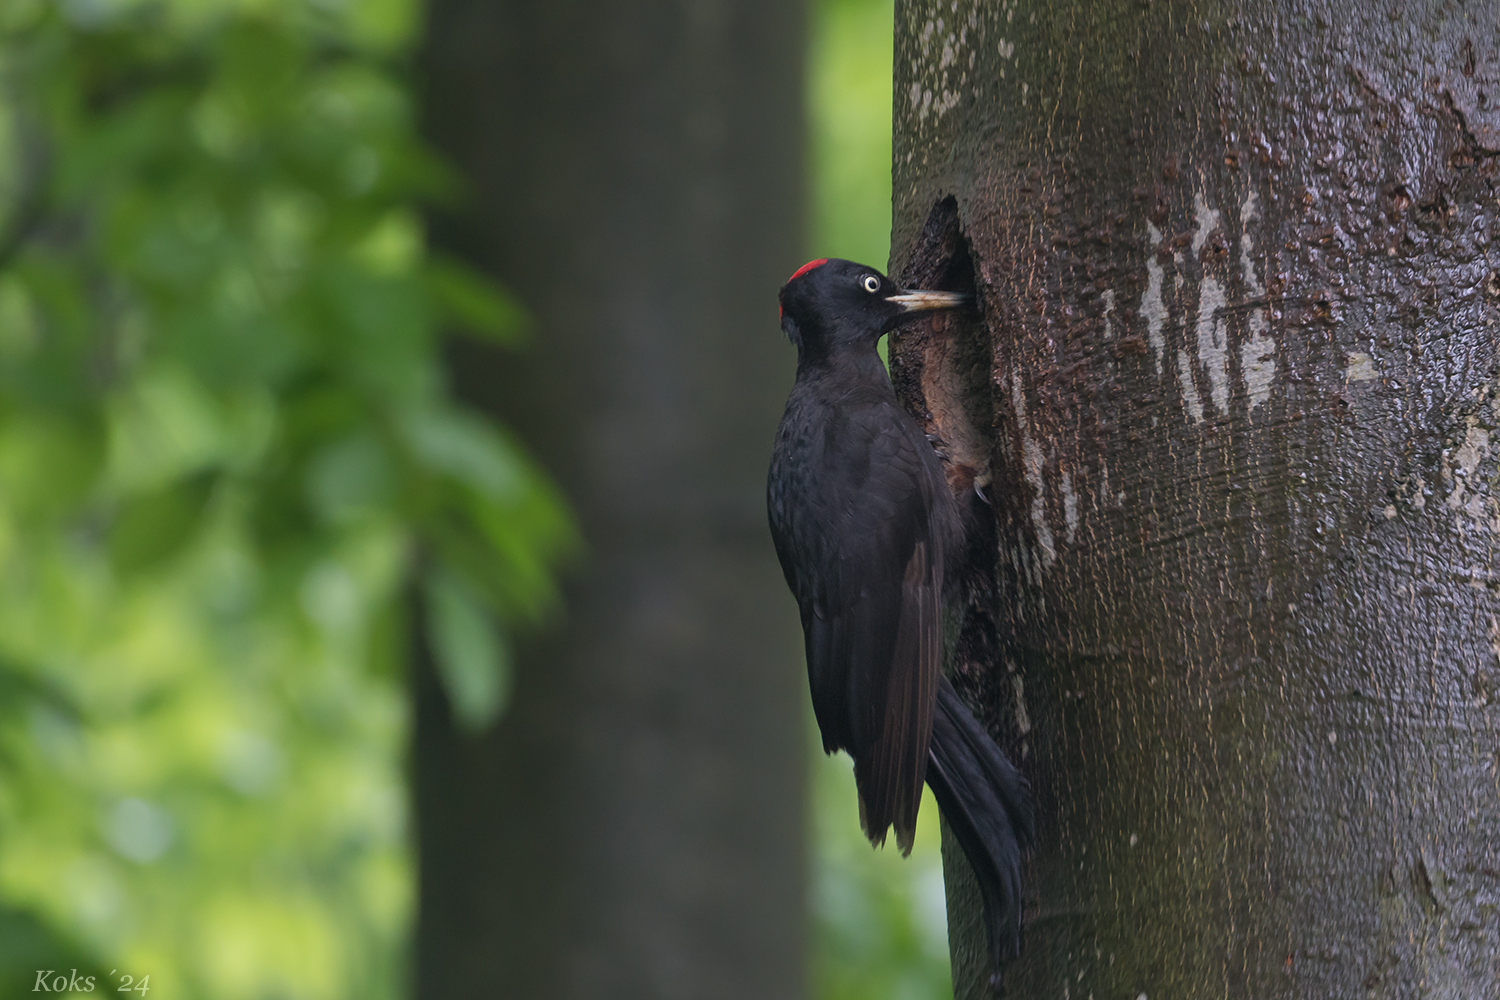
634, 826
1240, 273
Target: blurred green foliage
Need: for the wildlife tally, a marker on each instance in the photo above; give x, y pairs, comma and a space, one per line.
881, 920
228, 465
849, 109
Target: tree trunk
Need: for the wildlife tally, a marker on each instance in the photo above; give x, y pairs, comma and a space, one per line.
634, 825
1238, 382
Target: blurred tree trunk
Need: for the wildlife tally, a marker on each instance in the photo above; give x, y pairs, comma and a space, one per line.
1237, 379
633, 827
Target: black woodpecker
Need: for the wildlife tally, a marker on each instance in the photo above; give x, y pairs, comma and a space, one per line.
869, 537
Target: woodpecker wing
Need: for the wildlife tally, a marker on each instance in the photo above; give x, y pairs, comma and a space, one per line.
859, 511
890, 774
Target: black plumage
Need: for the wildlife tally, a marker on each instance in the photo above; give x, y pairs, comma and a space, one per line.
869, 536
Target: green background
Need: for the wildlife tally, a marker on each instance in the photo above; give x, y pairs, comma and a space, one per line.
228, 460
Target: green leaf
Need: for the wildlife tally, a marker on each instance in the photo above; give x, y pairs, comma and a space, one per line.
48, 464
473, 659
465, 447
477, 305
150, 529
31, 947
168, 424
379, 327
259, 67
349, 478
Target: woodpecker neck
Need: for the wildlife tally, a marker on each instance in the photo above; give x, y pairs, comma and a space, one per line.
847, 363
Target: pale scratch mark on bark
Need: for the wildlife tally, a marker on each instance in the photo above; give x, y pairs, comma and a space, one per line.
1152, 305
1032, 460
1213, 343
1258, 352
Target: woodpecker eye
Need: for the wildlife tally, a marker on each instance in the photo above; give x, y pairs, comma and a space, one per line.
871, 283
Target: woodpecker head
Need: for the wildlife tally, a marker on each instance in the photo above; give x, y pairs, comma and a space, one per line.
829, 303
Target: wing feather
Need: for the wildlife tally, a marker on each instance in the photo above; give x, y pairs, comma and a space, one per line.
891, 773
862, 521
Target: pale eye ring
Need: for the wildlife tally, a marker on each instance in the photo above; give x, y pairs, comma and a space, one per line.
871, 283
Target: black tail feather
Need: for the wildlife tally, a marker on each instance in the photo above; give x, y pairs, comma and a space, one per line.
988, 807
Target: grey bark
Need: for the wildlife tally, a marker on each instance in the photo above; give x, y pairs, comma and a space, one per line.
634, 825
1238, 385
